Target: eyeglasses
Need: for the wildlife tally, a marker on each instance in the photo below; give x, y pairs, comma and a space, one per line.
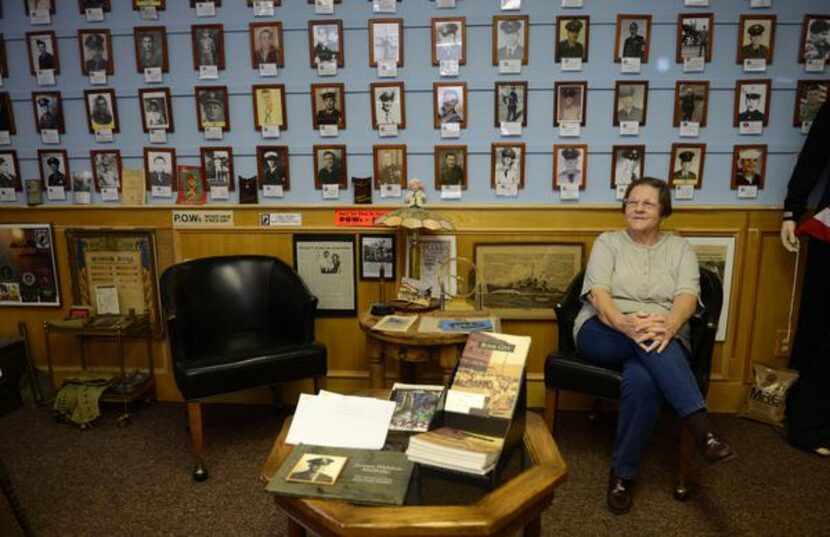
645, 204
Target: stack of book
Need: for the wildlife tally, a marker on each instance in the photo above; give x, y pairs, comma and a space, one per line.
455, 449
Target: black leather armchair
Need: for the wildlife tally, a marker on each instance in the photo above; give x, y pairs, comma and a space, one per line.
234, 323
566, 370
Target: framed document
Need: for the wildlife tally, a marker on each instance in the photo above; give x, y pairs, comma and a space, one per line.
150, 48
511, 103
156, 109
633, 37
328, 105
389, 165
123, 258
691, 102
330, 166
569, 102
507, 166
570, 163
749, 166
217, 166
325, 42
572, 38
212, 107
101, 110
377, 253
28, 275
266, 44
756, 38
160, 168
627, 164
48, 107
272, 166
385, 41
695, 32
96, 51
326, 264
388, 104
449, 40
106, 169
510, 38
43, 52
54, 167
752, 98
269, 106
686, 165
208, 42
450, 166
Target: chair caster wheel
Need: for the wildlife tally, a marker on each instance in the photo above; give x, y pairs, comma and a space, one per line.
123, 421
200, 474
681, 494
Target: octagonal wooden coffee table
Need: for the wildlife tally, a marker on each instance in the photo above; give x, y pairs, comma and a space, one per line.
448, 507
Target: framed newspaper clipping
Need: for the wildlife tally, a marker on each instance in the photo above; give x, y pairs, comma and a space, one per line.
326, 264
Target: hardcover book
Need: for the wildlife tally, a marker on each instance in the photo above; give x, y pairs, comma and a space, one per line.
415, 405
367, 476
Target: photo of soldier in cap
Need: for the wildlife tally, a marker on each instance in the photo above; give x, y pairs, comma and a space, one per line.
809, 96
160, 167
450, 166
569, 104
328, 105
317, 469
100, 108
390, 165
748, 165
686, 164
107, 169
217, 166
507, 165
691, 102
752, 101
387, 104
9, 176
630, 102
96, 51
212, 103
53, 168
637, 29
272, 165
572, 38
511, 99
510, 36
43, 51
208, 45
325, 42
815, 38
330, 165
569, 165
450, 103
693, 37
448, 35
628, 164
150, 48
756, 35
48, 111
385, 41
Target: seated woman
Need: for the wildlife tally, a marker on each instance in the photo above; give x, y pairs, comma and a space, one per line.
641, 286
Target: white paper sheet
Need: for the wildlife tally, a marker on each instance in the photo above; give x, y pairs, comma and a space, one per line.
335, 420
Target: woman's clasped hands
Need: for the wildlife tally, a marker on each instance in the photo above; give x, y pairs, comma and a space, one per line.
652, 332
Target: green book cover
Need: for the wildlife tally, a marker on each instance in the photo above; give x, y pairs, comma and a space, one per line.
366, 476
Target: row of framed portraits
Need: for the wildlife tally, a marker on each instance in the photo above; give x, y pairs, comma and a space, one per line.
507, 167
695, 38
388, 105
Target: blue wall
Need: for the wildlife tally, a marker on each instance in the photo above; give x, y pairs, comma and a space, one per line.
601, 72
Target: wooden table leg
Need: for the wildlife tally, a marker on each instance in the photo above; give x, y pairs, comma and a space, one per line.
534, 527
295, 530
377, 364
447, 358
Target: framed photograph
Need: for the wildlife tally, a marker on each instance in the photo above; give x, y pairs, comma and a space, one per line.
572, 37
217, 166
212, 107
377, 255
510, 38
695, 32
511, 103
570, 163
208, 42
10, 171
328, 105
7, 122
266, 44
815, 38
160, 5
43, 52
103, 5
160, 167
385, 41
752, 98
276, 3
48, 107
569, 102
526, 280
272, 166
96, 51
101, 110
450, 166
330, 166
449, 40
325, 42
156, 109
633, 37
749, 166
691, 102
151, 48
507, 165
809, 96
627, 164
28, 272
326, 265
54, 167
217, 3
450, 103
4, 63
36, 5
630, 102
718, 255
269, 106
756, 38
125, 259
686, 164
436, 250
388, 104
106, 169
389, 165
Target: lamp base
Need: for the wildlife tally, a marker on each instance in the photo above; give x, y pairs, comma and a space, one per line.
382, 309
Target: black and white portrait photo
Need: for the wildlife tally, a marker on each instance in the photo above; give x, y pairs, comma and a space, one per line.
450, 166
43, 52
691, 100
150, 48
386, 41
511, 103
448, 40
160, 165
686, 164
628, 162
48, 111
96, 51
106, 169
212, 107
330, 165
749, 166
54, 167
572, 38
815, 38
630, 102
325, 42
388, 104
266, 44
510, 38
569, 165
756, 38
809, 96
507, 166
390, 165
208, 46
9, 170
752, 101
101, 110
217, 166
450, 103
272, 166
155, 109
377, 257
328, 105
633, 37
694, 36
569, 99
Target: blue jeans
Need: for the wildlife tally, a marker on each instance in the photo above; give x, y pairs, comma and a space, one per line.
648, 378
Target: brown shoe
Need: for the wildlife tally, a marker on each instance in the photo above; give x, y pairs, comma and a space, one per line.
618, 498
713, 449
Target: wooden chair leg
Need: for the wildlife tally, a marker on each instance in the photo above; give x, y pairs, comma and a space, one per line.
685, 450
197, 439
596, 407
319, 384
551, 406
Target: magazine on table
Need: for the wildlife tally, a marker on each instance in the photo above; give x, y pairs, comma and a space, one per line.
415, 406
